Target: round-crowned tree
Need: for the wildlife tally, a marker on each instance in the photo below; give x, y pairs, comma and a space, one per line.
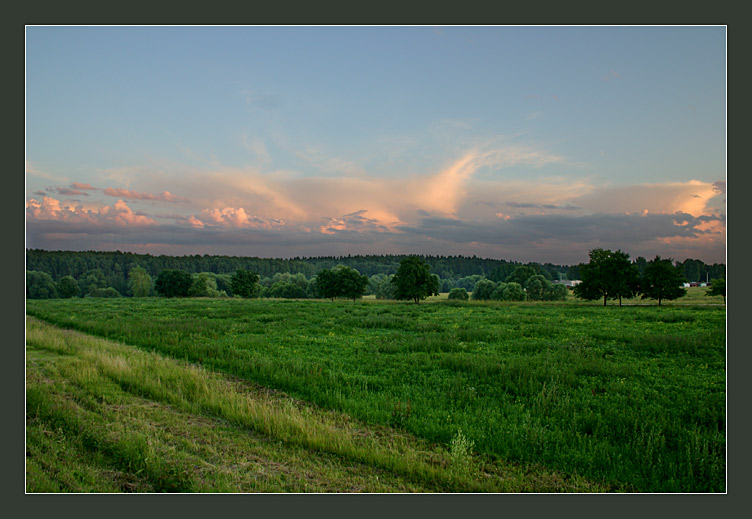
244, 283
514, 292
483, 289
662, 280
173, 283
67, 287
414, 280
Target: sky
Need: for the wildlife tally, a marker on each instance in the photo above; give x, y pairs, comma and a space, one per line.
516, 143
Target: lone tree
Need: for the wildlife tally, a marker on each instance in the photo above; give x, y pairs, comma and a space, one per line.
662, 280
718, 288
67, 287
350, 283
173, 283
414, 280
245, 283
139, 281
326, 284
609, 275
341, 281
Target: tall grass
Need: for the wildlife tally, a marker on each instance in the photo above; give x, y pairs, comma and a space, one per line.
104, 417
630, 396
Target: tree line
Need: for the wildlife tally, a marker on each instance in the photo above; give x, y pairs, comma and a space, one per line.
56, 274
612, 275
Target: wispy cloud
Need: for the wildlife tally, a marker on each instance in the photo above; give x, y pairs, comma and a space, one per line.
262, 100
610, 76
164, 196
70, 192
36, 172
257, 147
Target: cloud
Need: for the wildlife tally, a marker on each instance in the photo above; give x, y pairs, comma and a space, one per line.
690, 197
612, 75
119, 214
33, 171
355, 222
83, 187
317, 158
257, 147
70, 192
262, 100
539, 237
232, 217
164, 196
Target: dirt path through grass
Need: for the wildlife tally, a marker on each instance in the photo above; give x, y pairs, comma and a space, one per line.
106, 417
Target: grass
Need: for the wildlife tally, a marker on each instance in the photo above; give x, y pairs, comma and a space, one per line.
104, 417
630, 397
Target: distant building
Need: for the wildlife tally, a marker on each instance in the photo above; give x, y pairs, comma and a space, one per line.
568, 282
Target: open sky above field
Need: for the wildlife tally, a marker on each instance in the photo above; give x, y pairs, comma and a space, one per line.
518, 143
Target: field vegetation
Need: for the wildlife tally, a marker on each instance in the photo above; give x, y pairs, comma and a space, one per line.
630, 398
106, 417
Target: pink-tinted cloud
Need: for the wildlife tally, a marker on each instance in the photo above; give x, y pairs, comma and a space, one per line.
232, 217
164, 196
356, 222
83, 187
117, 214
690, 197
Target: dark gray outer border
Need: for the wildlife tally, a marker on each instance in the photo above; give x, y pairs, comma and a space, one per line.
389, 13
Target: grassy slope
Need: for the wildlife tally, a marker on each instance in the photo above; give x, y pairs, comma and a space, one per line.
632, 396
104, 417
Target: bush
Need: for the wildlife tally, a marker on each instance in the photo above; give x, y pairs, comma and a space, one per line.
286, 290
498, 293
104, 292
483, 290
459, 294
514, 292
204, 285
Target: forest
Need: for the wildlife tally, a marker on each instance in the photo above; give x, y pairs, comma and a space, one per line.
96, 272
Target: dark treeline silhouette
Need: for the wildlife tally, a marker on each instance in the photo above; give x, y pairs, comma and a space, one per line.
453, 271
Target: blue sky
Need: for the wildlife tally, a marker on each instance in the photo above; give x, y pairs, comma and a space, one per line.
522, 143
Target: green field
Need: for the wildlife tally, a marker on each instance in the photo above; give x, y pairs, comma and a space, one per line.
628, 398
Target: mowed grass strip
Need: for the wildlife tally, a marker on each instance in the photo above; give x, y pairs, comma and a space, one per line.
104, 417
632, 397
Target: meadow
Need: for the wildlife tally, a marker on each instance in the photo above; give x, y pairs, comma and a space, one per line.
625, 398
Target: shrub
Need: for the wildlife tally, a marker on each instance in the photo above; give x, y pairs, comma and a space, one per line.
498, 293
483, 290
514, 292
104, 292
459, 294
